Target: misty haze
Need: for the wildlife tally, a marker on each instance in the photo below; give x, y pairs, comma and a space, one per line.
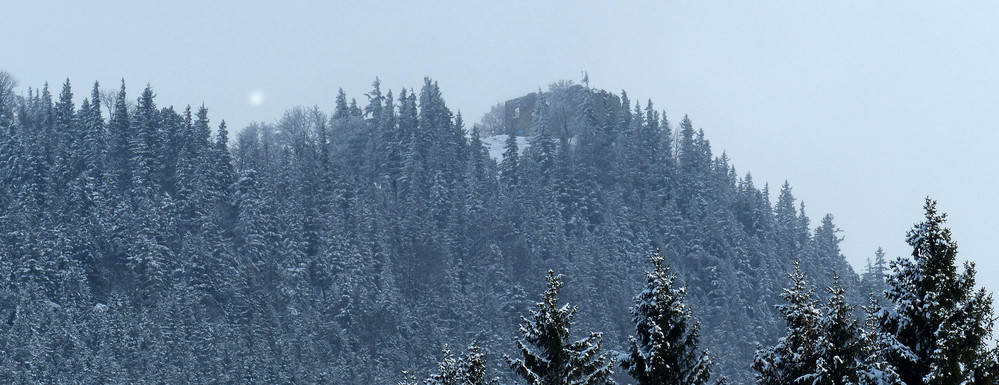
516, 193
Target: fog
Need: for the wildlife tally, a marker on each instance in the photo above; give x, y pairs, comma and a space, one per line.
865, 108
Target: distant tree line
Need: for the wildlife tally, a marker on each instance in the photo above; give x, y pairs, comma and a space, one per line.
138, 244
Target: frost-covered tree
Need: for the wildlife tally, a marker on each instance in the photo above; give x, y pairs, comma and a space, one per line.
550, 357
795, 356
939, 324
665, 349
874, 277
474, 367
874, 369
468, 369
7, 85
508, 168
875, 271
120, 135
448, 371
840, 345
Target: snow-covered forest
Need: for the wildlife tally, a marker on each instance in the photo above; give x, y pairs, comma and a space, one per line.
142, 243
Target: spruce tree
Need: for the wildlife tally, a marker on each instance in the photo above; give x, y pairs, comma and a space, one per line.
940, 325
119, 144
543, 143
549, 356
95, 140
7, 100
873, 278
448, 371
664, 350
340, 109
874, 369
794, 357
840, 345
508, 168
474, 367
469, 369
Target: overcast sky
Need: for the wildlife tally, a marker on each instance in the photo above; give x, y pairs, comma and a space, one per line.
864, 107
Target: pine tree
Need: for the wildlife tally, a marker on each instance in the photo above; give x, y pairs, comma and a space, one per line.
795, 356
474, 367
787, 229
375, 102
468, 369
544, 143
665, 349
874, 274
509, 169
145, 146
67, 132
825, 260
448, 371
549, 357
940, 325
354, 110
840, 345
120, 136
7, 101
340, 110
874, 368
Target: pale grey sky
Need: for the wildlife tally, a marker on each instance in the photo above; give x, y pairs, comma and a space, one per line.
865, 107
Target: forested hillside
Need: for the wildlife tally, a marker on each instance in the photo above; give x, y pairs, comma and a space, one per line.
141, 243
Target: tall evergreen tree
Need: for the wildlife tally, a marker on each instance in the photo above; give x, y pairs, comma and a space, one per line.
7, 108
543, 142
509, 168
549, 356
468, 369
340, 109
840, 344
120, 136
941, 325
874, 277
876, 346
796, 355
665, 349
145, 145
95, 137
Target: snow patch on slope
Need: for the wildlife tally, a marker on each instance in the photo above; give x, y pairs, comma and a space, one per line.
495, 144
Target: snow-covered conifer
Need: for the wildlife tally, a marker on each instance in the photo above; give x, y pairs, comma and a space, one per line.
840, 346
796, 354
939, 324
665, 350
549, 356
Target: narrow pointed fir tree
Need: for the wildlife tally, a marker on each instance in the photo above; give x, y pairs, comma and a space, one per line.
940, 325
874, 369
145, 145
873, 278
795, 356
448, 371
549, 357
508, 168
543, 141
665, 348
469, 369
340, 109
65, 122
840, 344
95, 140
119, 144
474, 367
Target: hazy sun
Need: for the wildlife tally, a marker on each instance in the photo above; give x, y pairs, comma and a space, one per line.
256, 98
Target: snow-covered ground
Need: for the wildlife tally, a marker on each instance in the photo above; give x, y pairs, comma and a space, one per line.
496, 144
